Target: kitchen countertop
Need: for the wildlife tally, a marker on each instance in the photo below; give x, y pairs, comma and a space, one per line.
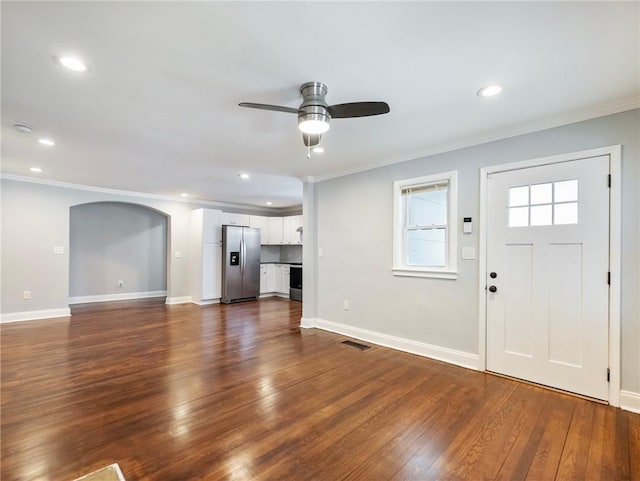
282, 262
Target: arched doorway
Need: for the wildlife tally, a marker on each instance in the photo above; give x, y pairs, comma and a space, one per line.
117, 251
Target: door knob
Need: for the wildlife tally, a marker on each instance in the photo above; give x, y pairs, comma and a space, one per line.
493, 275
493, 288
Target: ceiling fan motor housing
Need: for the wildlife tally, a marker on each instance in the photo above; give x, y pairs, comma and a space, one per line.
314, 106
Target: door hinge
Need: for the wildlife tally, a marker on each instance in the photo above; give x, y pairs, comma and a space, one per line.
609, 180
609, 277
608, 375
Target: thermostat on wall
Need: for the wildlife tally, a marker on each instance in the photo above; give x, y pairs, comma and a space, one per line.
467, 225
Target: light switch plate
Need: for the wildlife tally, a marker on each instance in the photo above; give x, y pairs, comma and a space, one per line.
469, 253
178, 255
58, 250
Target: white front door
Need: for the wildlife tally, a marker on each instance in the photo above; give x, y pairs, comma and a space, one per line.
547, 275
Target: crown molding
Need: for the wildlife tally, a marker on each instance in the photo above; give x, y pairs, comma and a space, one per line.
623, 105
142, 195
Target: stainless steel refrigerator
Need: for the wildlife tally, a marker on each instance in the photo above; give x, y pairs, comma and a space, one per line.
240, 263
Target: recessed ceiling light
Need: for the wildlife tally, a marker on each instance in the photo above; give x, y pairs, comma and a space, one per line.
47, 142
318, 150
35, 169
489, 90
184, 194
269, 203
244, 176
25, 129
73, 63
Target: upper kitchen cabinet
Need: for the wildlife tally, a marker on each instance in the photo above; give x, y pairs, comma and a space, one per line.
211, 225
292, 229
262, 223
235, 219
275, 231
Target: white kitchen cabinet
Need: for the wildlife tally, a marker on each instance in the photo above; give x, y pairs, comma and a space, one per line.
211, 271
235, 219
262, 223
291, 224
272, 281
211, 226
275, 231
285, 273
263, 278
206, 255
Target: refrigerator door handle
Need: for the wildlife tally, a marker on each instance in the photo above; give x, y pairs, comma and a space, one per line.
242, 256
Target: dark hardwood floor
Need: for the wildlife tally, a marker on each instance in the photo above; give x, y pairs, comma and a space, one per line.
239, 392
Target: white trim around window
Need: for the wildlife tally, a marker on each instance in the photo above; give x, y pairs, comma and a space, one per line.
400, 266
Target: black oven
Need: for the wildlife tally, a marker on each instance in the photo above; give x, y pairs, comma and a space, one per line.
295, 283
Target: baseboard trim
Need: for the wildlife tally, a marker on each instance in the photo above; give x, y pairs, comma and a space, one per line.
630, 401
34, 315
274, 294
124, 296
452, 356
206, 303
178, 300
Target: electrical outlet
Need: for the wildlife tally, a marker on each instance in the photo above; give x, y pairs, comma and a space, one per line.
26, 295
120, 283
346, 305
58, 250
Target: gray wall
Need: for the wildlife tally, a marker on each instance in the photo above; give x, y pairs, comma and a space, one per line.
350, 218
35, 218
112, 241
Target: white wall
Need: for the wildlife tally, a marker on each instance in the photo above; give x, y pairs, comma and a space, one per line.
350, 219
116, 241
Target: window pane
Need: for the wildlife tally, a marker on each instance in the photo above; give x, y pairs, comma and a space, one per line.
518, 216
426, 247
540, 194
518, 196
566, 213
427, 208
541, 215
566, 191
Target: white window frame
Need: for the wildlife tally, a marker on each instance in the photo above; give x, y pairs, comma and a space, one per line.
400, 267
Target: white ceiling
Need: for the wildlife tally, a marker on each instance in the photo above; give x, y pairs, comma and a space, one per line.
157, 113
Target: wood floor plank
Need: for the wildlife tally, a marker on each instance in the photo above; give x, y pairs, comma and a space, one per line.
517, 462
601, 459
634, 446
548, 438
240, 392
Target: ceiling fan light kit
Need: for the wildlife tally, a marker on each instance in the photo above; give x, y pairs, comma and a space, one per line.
314, 114
313, 117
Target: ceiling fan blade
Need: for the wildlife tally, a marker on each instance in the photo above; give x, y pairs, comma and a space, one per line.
311, 140
358, 109
277, 108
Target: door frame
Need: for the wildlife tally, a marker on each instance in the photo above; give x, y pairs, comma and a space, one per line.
615, 244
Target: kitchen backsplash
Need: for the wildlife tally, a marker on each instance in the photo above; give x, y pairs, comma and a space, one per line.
281, 254
291, 253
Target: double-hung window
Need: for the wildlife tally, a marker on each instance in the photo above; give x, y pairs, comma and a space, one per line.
424, 238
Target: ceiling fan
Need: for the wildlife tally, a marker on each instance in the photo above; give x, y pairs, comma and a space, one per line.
314, 113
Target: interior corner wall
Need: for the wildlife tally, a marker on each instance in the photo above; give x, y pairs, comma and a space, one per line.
353, 227
116, 241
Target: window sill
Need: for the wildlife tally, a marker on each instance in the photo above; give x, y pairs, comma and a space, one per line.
422, 272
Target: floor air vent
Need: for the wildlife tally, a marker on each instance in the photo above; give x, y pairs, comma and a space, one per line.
357, 345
